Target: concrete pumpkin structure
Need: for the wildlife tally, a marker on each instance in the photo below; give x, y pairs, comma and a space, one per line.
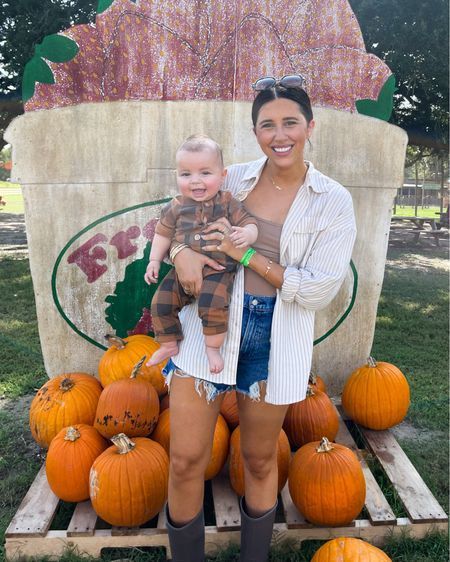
94, 177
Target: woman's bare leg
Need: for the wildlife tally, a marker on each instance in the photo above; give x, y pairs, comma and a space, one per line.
192, 424
260, 425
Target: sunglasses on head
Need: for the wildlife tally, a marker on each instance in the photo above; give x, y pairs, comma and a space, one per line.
288, 81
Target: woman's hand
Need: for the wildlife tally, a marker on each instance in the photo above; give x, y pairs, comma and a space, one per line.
219, 233
189, 267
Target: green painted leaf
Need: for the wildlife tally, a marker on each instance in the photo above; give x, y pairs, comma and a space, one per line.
103, 5
28, 83
36, 70
58, 48
132, 295
382, 107
41, 71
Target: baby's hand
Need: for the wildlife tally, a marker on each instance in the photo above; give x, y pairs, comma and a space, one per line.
243, 236
152, 271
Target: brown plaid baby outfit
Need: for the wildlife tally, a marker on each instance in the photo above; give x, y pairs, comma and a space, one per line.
183, 220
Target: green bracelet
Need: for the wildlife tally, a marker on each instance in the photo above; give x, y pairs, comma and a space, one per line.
245, 260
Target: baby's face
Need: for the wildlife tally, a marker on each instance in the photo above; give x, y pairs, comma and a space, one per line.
199, 174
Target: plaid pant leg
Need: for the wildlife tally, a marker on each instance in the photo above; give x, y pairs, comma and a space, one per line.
167, 302
214, 301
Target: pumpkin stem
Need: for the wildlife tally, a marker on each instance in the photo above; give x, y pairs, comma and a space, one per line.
371, 362
312, 378
324, 446
66, 384
123, 443
72, 434
115, 341
137, 368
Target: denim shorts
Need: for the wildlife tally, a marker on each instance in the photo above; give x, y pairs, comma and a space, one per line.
253, 362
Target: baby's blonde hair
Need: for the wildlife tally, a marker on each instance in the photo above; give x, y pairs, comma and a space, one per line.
199, 142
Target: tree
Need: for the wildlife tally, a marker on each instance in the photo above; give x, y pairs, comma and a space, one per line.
412, 37
23, 24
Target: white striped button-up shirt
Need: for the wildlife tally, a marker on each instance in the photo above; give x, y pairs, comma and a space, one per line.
315, 248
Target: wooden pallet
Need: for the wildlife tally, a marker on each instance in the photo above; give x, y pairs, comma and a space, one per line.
29, 532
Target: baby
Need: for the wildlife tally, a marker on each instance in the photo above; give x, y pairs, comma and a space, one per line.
200, 174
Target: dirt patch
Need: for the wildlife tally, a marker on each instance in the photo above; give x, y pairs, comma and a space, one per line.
18, 407
410, 260
407, 431
17, 411
13, 237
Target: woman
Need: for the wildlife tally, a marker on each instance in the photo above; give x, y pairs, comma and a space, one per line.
297, 265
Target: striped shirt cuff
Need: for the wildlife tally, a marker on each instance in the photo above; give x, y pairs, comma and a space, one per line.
291, 283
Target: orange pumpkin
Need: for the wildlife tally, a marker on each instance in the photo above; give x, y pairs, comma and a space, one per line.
65, 400
129, 406
69, 460
229, 409
326, 483
161, 433
347, 549
219, 453
221, 440
164, 403
128, 482
376, 395
317, 382
311, 419
236, 466
119, 360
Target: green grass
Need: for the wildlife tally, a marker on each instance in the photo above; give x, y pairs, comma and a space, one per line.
19, 463
409, 211
12, 194
21, 364
411, 332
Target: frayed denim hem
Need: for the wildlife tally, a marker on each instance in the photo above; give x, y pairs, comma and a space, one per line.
212, 390
254, 392
209, 389
170, 373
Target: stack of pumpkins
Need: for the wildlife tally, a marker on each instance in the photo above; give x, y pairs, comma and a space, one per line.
74, 416
325, 479
320, 471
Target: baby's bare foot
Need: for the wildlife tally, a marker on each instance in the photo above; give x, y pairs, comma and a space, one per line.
167, 349
215, 360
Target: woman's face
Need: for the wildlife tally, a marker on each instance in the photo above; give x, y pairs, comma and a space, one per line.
281, 131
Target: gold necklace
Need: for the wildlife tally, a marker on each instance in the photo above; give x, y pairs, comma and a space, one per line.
276, 186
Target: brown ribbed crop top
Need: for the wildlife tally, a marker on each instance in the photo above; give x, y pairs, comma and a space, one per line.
267, 244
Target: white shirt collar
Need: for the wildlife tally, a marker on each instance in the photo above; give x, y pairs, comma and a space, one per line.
256, 167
